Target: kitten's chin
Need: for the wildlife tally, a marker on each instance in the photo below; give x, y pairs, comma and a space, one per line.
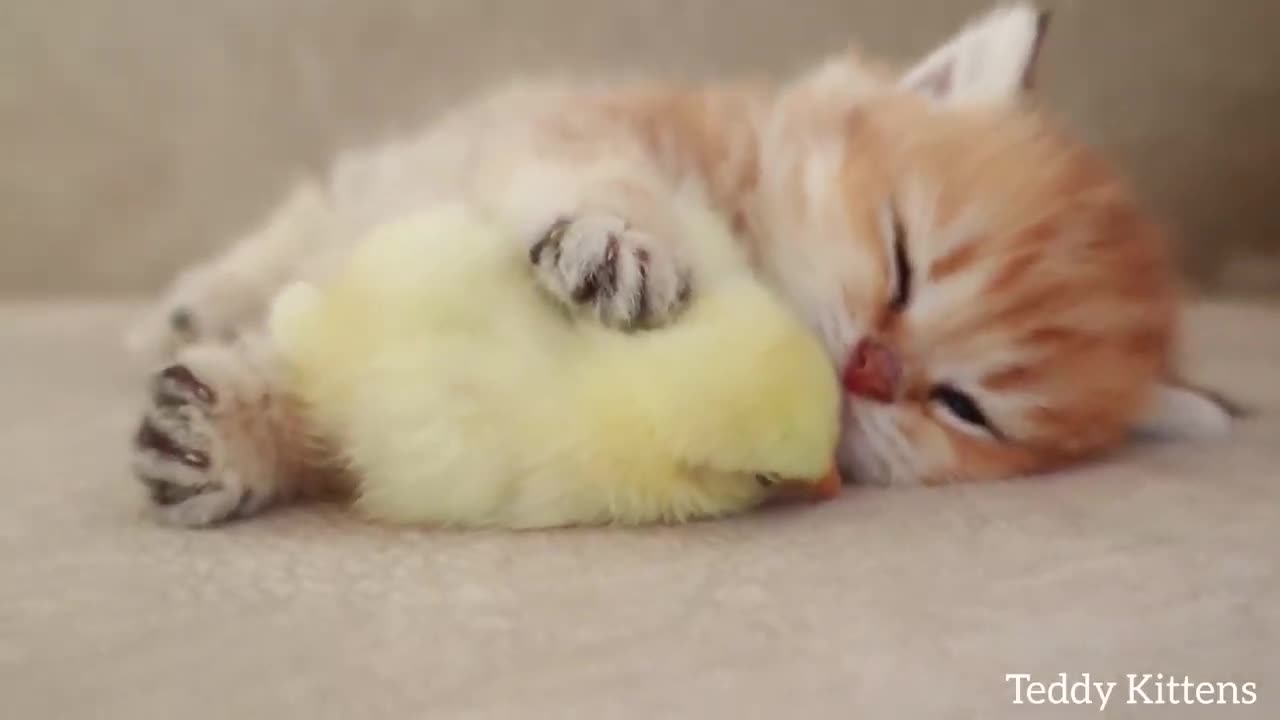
858, 467
862, 456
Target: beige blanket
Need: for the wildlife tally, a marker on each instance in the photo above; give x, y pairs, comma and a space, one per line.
909, 603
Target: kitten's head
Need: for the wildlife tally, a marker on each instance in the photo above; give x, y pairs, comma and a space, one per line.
998, 300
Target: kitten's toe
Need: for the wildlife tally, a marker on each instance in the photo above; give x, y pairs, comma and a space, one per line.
180, 456
620, 273
166, 492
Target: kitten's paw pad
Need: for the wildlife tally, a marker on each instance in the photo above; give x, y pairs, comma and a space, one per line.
179, 455
177, 384
599, 262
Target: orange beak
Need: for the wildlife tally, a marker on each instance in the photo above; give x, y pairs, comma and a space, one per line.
825, 489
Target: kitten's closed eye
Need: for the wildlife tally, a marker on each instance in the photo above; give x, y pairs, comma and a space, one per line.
962, 406
901, 263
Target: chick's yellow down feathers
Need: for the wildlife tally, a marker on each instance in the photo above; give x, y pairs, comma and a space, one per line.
459, 394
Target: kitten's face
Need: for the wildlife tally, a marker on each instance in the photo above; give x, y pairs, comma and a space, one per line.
995, 300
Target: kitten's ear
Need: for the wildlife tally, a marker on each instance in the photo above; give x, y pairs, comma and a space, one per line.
991, 60
1179, 411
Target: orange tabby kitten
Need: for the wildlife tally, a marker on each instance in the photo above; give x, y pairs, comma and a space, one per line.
992, 295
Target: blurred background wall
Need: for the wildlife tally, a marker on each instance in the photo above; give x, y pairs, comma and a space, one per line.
136, 135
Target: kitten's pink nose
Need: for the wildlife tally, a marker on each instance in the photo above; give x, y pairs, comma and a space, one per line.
873, 371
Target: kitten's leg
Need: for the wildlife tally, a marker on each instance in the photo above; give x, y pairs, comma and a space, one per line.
214, 300
220, 439
608, 242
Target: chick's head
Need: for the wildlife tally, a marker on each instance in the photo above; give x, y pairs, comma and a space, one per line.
751, 398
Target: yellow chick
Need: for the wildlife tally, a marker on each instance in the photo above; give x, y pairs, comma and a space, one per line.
459, 394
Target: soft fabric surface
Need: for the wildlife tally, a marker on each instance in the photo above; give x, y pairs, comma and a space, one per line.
884, 604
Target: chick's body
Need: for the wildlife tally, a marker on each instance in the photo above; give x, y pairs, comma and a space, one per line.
459, 394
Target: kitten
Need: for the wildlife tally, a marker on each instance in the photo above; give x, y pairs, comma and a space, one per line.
993, 296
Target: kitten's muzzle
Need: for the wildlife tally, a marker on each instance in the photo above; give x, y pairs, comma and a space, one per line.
873, 371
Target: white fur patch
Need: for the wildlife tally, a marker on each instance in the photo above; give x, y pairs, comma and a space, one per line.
1181, 413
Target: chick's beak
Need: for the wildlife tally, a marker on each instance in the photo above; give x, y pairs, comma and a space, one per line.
824, 489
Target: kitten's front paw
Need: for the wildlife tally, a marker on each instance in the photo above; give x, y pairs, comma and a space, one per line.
202, 306
599, 261
163, 331
182, 456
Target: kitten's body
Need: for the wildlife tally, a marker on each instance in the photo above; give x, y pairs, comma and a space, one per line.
997, 299
531, 153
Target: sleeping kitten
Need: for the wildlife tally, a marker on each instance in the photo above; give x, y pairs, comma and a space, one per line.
994, 298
